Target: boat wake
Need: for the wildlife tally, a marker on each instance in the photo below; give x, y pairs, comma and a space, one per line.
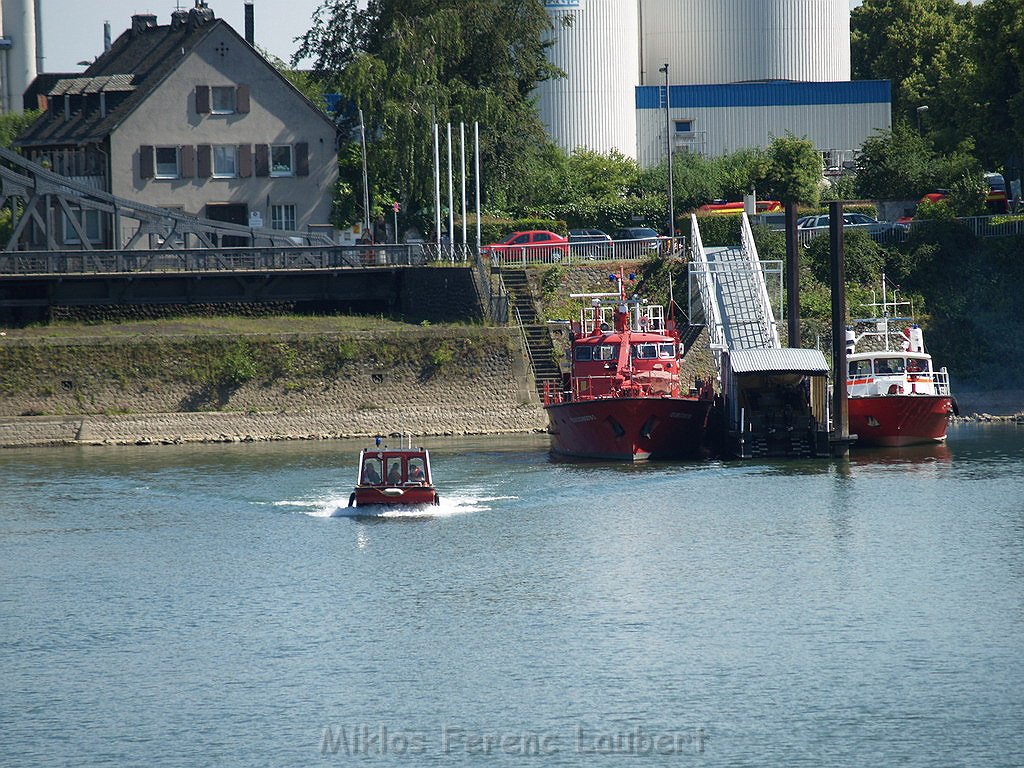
450, 506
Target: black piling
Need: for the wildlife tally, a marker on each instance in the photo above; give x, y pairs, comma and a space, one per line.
792, 277
840, 438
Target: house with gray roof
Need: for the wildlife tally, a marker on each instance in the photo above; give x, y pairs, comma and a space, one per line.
186, 116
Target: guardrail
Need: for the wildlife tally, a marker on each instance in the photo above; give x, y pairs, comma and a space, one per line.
980, 226
583, 253
211, 260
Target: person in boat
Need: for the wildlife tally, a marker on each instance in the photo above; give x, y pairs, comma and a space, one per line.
370, 474
416, 474
395, 474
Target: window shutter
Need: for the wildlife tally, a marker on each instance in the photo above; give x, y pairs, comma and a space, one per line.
262, 160
203, 99
188, 161
242, 99
203, 165
302, 159
147, 163
245, 160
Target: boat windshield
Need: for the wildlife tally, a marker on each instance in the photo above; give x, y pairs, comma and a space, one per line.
645, 351
371, 472
860, 368
889, 365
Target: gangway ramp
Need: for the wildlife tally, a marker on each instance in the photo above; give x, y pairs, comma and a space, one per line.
733, 294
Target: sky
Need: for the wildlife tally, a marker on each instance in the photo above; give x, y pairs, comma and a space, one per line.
73, 29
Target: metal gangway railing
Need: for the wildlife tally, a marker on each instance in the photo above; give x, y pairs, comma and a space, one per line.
733, 294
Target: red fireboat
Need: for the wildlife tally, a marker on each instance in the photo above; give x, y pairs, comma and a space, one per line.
393, 476
622, 398
895, 395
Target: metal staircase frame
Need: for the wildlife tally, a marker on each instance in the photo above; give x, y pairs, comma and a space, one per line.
35, 194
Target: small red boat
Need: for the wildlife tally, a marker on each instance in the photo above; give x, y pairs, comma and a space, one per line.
622, 398
895, 395
393, 476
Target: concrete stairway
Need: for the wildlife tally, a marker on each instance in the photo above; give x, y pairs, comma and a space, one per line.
538, 337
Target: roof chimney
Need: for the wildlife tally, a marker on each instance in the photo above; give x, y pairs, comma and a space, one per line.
179, 18
106, 36
201, 14
143, 21
250, 37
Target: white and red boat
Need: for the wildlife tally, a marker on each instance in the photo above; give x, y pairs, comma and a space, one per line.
393, 476
622, 399
895, 394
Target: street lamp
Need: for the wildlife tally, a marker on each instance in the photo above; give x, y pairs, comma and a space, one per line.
668, 144
920, 111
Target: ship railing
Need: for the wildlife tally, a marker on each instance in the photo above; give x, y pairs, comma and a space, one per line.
930, 381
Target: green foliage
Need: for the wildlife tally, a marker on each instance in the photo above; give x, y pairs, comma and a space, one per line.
11, 124
237, 366
864, 261
410, 63
961, 61
442, 356
717, 230
901, 164
793, 174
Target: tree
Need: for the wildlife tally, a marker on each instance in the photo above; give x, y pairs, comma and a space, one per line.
793, 172
997, 109
11, 124
924, 48
410, 63
901, 165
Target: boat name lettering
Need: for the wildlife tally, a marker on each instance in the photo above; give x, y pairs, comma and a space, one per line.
680, 415
580, 419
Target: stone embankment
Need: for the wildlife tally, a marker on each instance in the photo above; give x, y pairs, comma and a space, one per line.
175, 391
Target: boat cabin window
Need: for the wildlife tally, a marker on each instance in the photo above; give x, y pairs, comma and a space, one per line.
584, 353
394, 470
889, 365
371, 472
916, 365
417, 470
645, 351
667, 351
606, 352
860, 369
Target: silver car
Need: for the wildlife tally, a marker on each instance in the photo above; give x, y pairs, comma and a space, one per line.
872, 226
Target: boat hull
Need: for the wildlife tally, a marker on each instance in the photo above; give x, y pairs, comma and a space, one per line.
894, 420
368, 496
628, 428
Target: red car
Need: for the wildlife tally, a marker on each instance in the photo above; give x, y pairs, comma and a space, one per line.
533, 244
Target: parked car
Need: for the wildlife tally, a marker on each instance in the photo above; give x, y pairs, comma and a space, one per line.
636, 241
590, 243
872, 226
531, 244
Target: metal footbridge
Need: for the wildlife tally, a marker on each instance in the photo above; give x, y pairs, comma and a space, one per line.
733, 294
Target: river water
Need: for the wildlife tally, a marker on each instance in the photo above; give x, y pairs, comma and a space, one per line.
216, 605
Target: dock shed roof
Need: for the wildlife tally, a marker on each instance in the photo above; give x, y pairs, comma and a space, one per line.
785, 360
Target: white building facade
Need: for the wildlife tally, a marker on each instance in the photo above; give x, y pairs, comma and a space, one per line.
741, 72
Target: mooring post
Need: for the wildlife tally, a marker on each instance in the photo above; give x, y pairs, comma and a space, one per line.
792, 277
840, 438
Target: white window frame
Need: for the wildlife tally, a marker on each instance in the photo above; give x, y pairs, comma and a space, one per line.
678, 125
224, 155
166, 174
281, 215
228, 100
92, 223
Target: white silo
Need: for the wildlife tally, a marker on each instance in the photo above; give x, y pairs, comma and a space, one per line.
597, 44
19, 53
732, 41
